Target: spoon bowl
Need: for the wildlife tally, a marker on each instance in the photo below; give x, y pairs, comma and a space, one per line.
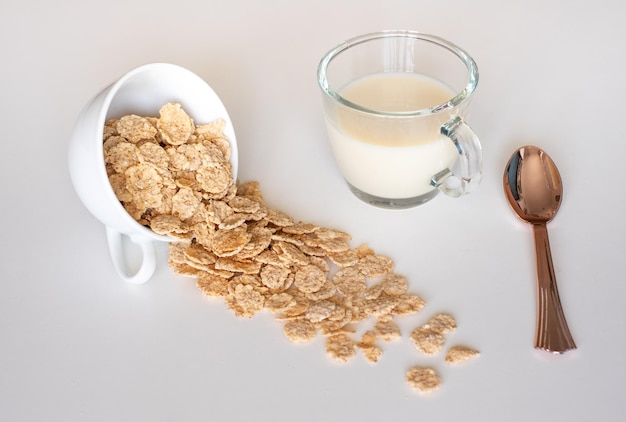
533, 185
534, 189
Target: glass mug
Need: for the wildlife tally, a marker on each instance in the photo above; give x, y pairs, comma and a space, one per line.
395, 104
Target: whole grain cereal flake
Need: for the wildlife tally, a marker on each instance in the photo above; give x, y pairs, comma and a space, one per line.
327, 234
174, 124
386, 329
223, 144
319, 311
281, 236
250, 189
218, 211
459, 354
329, 327
145, 184
350, 281
185, 270
214, 179
212, 285
185, 203
246, 266
427, 341
248, 302
185, 157
373, 291
395, 284
279, 302
309, 279
363, 250
301, 228
372, 352
320, 263
153, 154
381, 305
118, 183
279, 218
368, 345
197, 253
300, 330
211, 130
442, 323
177, 252
121, 156
299, 308
274, 276
424, 380
430, 337
327, 291
260, 239
335, 245
340, 347
110, 129
230, 242
375, 265
241, 204
290, 254
165, 224
408, 304
233, 221
345, 258
135, 128
368, 338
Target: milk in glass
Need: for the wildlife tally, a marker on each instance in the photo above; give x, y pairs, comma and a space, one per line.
393, 157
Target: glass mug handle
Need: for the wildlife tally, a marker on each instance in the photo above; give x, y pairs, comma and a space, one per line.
120, 262
466, 175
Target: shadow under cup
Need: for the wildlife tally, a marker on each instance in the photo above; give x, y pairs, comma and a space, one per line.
394, 105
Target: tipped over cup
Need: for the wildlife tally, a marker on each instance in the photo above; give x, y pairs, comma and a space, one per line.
141, 91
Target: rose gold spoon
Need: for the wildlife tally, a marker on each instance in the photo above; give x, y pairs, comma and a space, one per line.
533, 188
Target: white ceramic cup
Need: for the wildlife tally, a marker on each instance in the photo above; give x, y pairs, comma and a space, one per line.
142, 91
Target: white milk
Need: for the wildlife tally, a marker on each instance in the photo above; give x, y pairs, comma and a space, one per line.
392, 165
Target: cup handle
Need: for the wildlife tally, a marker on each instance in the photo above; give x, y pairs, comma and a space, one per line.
118, 255
467, 172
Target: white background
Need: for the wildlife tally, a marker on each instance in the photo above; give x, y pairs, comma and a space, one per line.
76, 343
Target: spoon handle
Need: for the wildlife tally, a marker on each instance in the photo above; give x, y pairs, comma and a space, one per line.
551, 332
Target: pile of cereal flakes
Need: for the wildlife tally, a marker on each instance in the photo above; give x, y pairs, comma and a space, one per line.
175, 177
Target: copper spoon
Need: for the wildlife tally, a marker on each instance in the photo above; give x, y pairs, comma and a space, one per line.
533, 187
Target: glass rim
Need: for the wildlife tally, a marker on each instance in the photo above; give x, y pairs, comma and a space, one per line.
455, 101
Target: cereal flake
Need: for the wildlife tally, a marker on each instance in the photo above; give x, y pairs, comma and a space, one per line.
459, 354
300, 330
174, 124
424, 380
340, 347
